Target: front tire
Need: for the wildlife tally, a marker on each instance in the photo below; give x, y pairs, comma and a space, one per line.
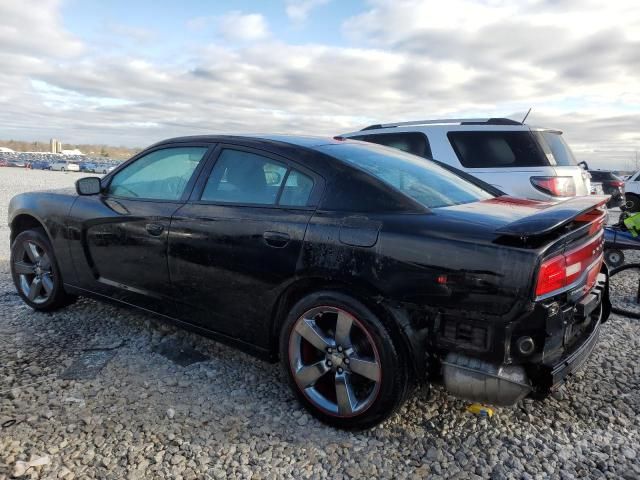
342, 362
35, 272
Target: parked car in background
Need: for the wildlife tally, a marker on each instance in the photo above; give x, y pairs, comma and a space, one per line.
65, 166
608, 183
632, 192
16, 163
517, 159
58, 166
38, 165
104, 169
364, 269
88, 167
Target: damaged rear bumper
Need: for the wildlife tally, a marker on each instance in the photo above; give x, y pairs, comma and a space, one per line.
568, 346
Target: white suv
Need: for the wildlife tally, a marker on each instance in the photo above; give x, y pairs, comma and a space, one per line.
520, 160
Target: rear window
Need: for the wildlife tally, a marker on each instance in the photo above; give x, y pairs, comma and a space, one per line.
423, 181
483, 149
556, 149
599, 176
410, 142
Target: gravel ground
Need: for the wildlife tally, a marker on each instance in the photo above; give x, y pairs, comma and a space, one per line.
232, 416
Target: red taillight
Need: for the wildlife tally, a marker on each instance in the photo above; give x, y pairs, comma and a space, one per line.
556, 186
552, 275
616, 183
564, 269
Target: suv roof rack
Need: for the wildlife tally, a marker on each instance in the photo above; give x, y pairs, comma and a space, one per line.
461, 121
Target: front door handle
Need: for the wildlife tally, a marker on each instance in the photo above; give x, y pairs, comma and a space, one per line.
154, 229
276, 239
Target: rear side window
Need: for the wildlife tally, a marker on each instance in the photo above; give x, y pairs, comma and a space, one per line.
297, 190
247, 178
484, 149
243, 177
410, 142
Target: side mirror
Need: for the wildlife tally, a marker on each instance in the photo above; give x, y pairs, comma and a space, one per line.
88, 186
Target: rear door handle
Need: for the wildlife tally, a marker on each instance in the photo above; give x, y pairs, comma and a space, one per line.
154, 229
276, 239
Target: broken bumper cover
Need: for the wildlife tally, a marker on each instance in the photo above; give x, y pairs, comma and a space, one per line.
569, 345
555, 375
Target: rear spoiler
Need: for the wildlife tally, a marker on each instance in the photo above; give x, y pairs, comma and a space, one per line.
553, 217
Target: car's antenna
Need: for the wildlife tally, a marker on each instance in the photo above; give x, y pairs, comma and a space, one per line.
525, 117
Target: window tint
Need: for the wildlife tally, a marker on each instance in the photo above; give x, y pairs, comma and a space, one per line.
599, 176
297, 190
411, 142
484, 149
556, 149
243, 177
161, 175
424, 181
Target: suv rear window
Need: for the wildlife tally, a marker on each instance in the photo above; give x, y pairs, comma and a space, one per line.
410, 142
482, 149
556, 149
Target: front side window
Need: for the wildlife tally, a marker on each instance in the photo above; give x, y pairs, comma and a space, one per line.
159, 175
422, 180
494, 149
245, 178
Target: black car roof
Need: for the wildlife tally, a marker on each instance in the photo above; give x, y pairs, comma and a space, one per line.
307, 141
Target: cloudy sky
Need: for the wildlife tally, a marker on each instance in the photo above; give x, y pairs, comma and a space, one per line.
132, 72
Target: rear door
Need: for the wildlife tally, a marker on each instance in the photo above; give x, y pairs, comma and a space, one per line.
236, 244
119, 242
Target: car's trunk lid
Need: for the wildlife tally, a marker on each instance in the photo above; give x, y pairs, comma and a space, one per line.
517, 221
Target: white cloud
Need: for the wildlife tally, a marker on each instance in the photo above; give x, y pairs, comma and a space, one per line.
33, 28
298, 10
408, 60
243, 27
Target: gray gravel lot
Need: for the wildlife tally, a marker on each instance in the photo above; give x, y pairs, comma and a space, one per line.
232, 416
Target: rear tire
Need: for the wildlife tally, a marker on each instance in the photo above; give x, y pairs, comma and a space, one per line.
35, 272
633, 203
614, 257
342, 362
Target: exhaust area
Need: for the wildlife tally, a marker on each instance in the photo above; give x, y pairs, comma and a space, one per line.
480, 381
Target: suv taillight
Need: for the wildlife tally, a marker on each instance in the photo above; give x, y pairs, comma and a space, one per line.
556, 186
616, 183
562, 270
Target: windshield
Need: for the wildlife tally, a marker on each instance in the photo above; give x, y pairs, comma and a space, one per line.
556, 149
418, 178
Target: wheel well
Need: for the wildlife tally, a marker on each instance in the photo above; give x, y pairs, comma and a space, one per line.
365, 294
23, 222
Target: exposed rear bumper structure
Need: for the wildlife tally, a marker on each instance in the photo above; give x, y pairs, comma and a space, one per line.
503, 385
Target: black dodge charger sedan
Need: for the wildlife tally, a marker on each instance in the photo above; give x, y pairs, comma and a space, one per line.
362, 268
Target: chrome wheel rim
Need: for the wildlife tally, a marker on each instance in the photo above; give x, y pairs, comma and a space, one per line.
32, 266
334, 361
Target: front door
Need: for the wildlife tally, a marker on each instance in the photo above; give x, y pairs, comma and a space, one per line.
121, 235
233, 248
